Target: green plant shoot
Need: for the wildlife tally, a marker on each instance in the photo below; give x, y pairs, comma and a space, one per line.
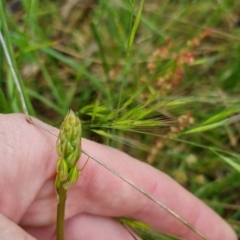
69, 151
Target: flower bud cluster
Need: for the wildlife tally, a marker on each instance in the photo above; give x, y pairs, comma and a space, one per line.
69, 150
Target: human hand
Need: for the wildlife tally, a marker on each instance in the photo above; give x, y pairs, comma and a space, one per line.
28, 201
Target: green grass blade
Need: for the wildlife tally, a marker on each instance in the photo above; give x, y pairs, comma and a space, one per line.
1, 49
135, 27
47, 102
101, 50
229, 161
4, 105
129, 47
5, 38
222, 115
213, 125
80, 70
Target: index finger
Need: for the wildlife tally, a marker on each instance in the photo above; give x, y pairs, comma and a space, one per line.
110, 196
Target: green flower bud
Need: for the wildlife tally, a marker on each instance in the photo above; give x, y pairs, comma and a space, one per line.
62, 170
72, 159
72, 178
69, 139
69, 150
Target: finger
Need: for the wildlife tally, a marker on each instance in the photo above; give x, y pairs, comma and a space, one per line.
107, 195
9, 230
96, 228
85, 226
27, 160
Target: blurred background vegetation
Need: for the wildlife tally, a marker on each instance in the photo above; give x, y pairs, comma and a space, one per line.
172, 98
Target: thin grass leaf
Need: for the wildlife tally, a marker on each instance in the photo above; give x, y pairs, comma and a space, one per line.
222, 115
148, 22
8, 52
146, 232
80, 69
46, 101
124, 140
1, 48
135, 27
213, 125
130, 100
129, 47
4, 106
32, 20
229, 161
101, 50
52, 86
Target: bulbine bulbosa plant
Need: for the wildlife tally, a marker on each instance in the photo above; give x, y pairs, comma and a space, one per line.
69, 151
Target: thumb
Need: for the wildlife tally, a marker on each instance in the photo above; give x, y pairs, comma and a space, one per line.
10, 230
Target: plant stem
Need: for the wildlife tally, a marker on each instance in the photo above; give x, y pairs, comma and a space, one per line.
62, 196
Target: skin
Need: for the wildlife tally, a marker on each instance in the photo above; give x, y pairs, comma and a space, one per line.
28, 201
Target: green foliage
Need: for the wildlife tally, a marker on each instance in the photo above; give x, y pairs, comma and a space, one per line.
158, 81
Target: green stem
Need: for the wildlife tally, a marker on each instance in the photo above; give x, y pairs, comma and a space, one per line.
62, 196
